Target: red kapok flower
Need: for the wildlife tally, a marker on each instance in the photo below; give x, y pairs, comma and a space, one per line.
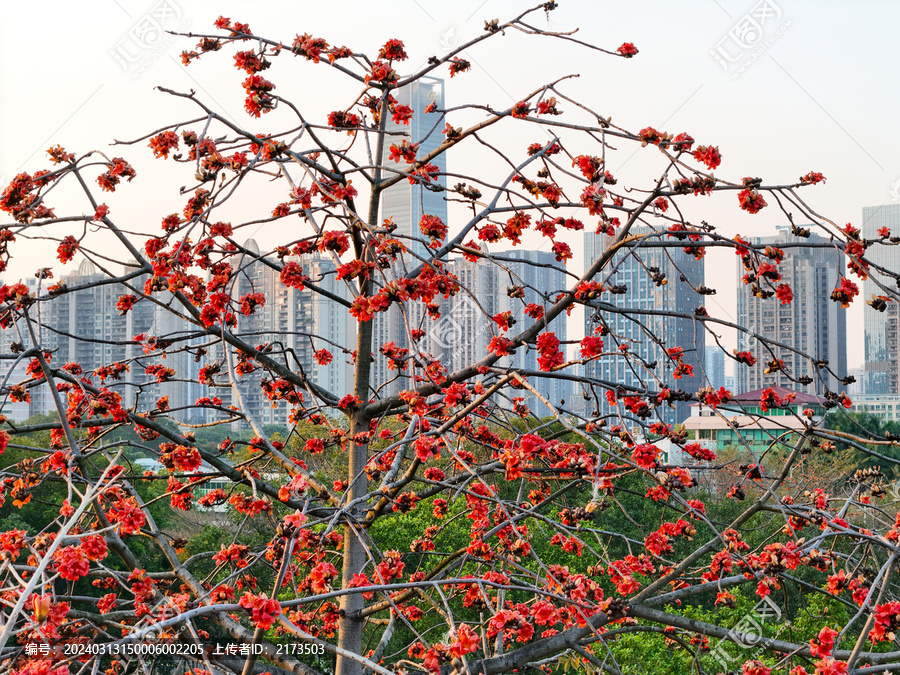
67, 248
785, 294
71, 562
709, 155
751, 201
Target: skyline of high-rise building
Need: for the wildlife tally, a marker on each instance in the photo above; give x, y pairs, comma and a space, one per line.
83, 327
293, 325
715, 366
405, 204
812, 326
652, 280
882, 329
540, 277
460, 337
86, 328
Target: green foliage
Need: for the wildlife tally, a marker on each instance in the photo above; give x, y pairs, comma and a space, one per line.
867, 426
648, 652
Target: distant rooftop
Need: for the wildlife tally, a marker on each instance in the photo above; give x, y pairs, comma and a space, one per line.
753, 397
756, 394
86, 268
739, 422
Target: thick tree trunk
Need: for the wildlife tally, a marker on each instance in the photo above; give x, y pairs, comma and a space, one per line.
350, 625
350, 629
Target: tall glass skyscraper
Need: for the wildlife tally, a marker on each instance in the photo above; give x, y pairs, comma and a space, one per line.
882, 329
715, 367
297, 322
814, 326
647, 335
405, 204
542, 276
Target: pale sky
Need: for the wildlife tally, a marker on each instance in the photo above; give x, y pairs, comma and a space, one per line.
819, 91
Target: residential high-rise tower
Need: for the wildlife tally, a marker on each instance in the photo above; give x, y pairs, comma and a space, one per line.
812, 325
405, 203
882, 329
647, 331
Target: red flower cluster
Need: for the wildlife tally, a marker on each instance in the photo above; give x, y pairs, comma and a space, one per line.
263, 610
550, 355
116, 169
520, 110
292, 275
458, 65
251, 301
434, 228
755, 668
591, 346
125, 303
393, 50
887, 621
589, 166
406, 151
708, 396
94, 547
769, 399
364, 308
784, 293
58, 155
71, 562
562, 251
350, 402
234, 553
127, 515
106, 603
258, 99
381, 72
196, 204
180, 457
744, 357
334, 240
67, 249
650, 136
751, 201
163, 143
309, 47
11, 542
709, 155
697, 451
845, 291
645, 455
250, 507
812, 178
515, 226
401, 114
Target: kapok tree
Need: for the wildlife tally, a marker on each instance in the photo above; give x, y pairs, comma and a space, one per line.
452, 529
